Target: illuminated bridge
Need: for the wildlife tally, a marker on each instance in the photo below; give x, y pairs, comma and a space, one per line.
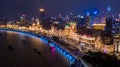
71, 57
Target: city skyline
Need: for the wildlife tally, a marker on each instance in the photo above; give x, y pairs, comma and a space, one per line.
16, 8
60, 33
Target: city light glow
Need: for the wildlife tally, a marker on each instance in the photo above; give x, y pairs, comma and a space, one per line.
42, 10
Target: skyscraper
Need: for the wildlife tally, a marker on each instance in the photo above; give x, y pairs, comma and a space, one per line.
106, 36
88, 22
108, 27
42, 13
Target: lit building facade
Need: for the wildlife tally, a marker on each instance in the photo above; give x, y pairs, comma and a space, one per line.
99, 26
116, 35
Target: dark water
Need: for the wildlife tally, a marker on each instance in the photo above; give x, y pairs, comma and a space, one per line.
22, 53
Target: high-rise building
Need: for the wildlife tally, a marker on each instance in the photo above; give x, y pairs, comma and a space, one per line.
107, 37
24, 20
88, 22
108, 27
42, 13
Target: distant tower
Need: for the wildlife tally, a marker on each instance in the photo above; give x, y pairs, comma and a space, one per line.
24, 20
88, 22
109, 8
108, 25
23, 17
42, 13
109, 20
106, 36
108, 28
89, 19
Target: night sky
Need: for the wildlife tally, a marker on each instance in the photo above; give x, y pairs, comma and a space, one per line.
15, 8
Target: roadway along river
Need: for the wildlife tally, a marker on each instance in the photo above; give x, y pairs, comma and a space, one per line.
18, 50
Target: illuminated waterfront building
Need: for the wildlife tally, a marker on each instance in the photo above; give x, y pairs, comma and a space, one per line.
116, 35
117, 43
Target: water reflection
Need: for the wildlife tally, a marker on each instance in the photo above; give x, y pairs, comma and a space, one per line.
23, 53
